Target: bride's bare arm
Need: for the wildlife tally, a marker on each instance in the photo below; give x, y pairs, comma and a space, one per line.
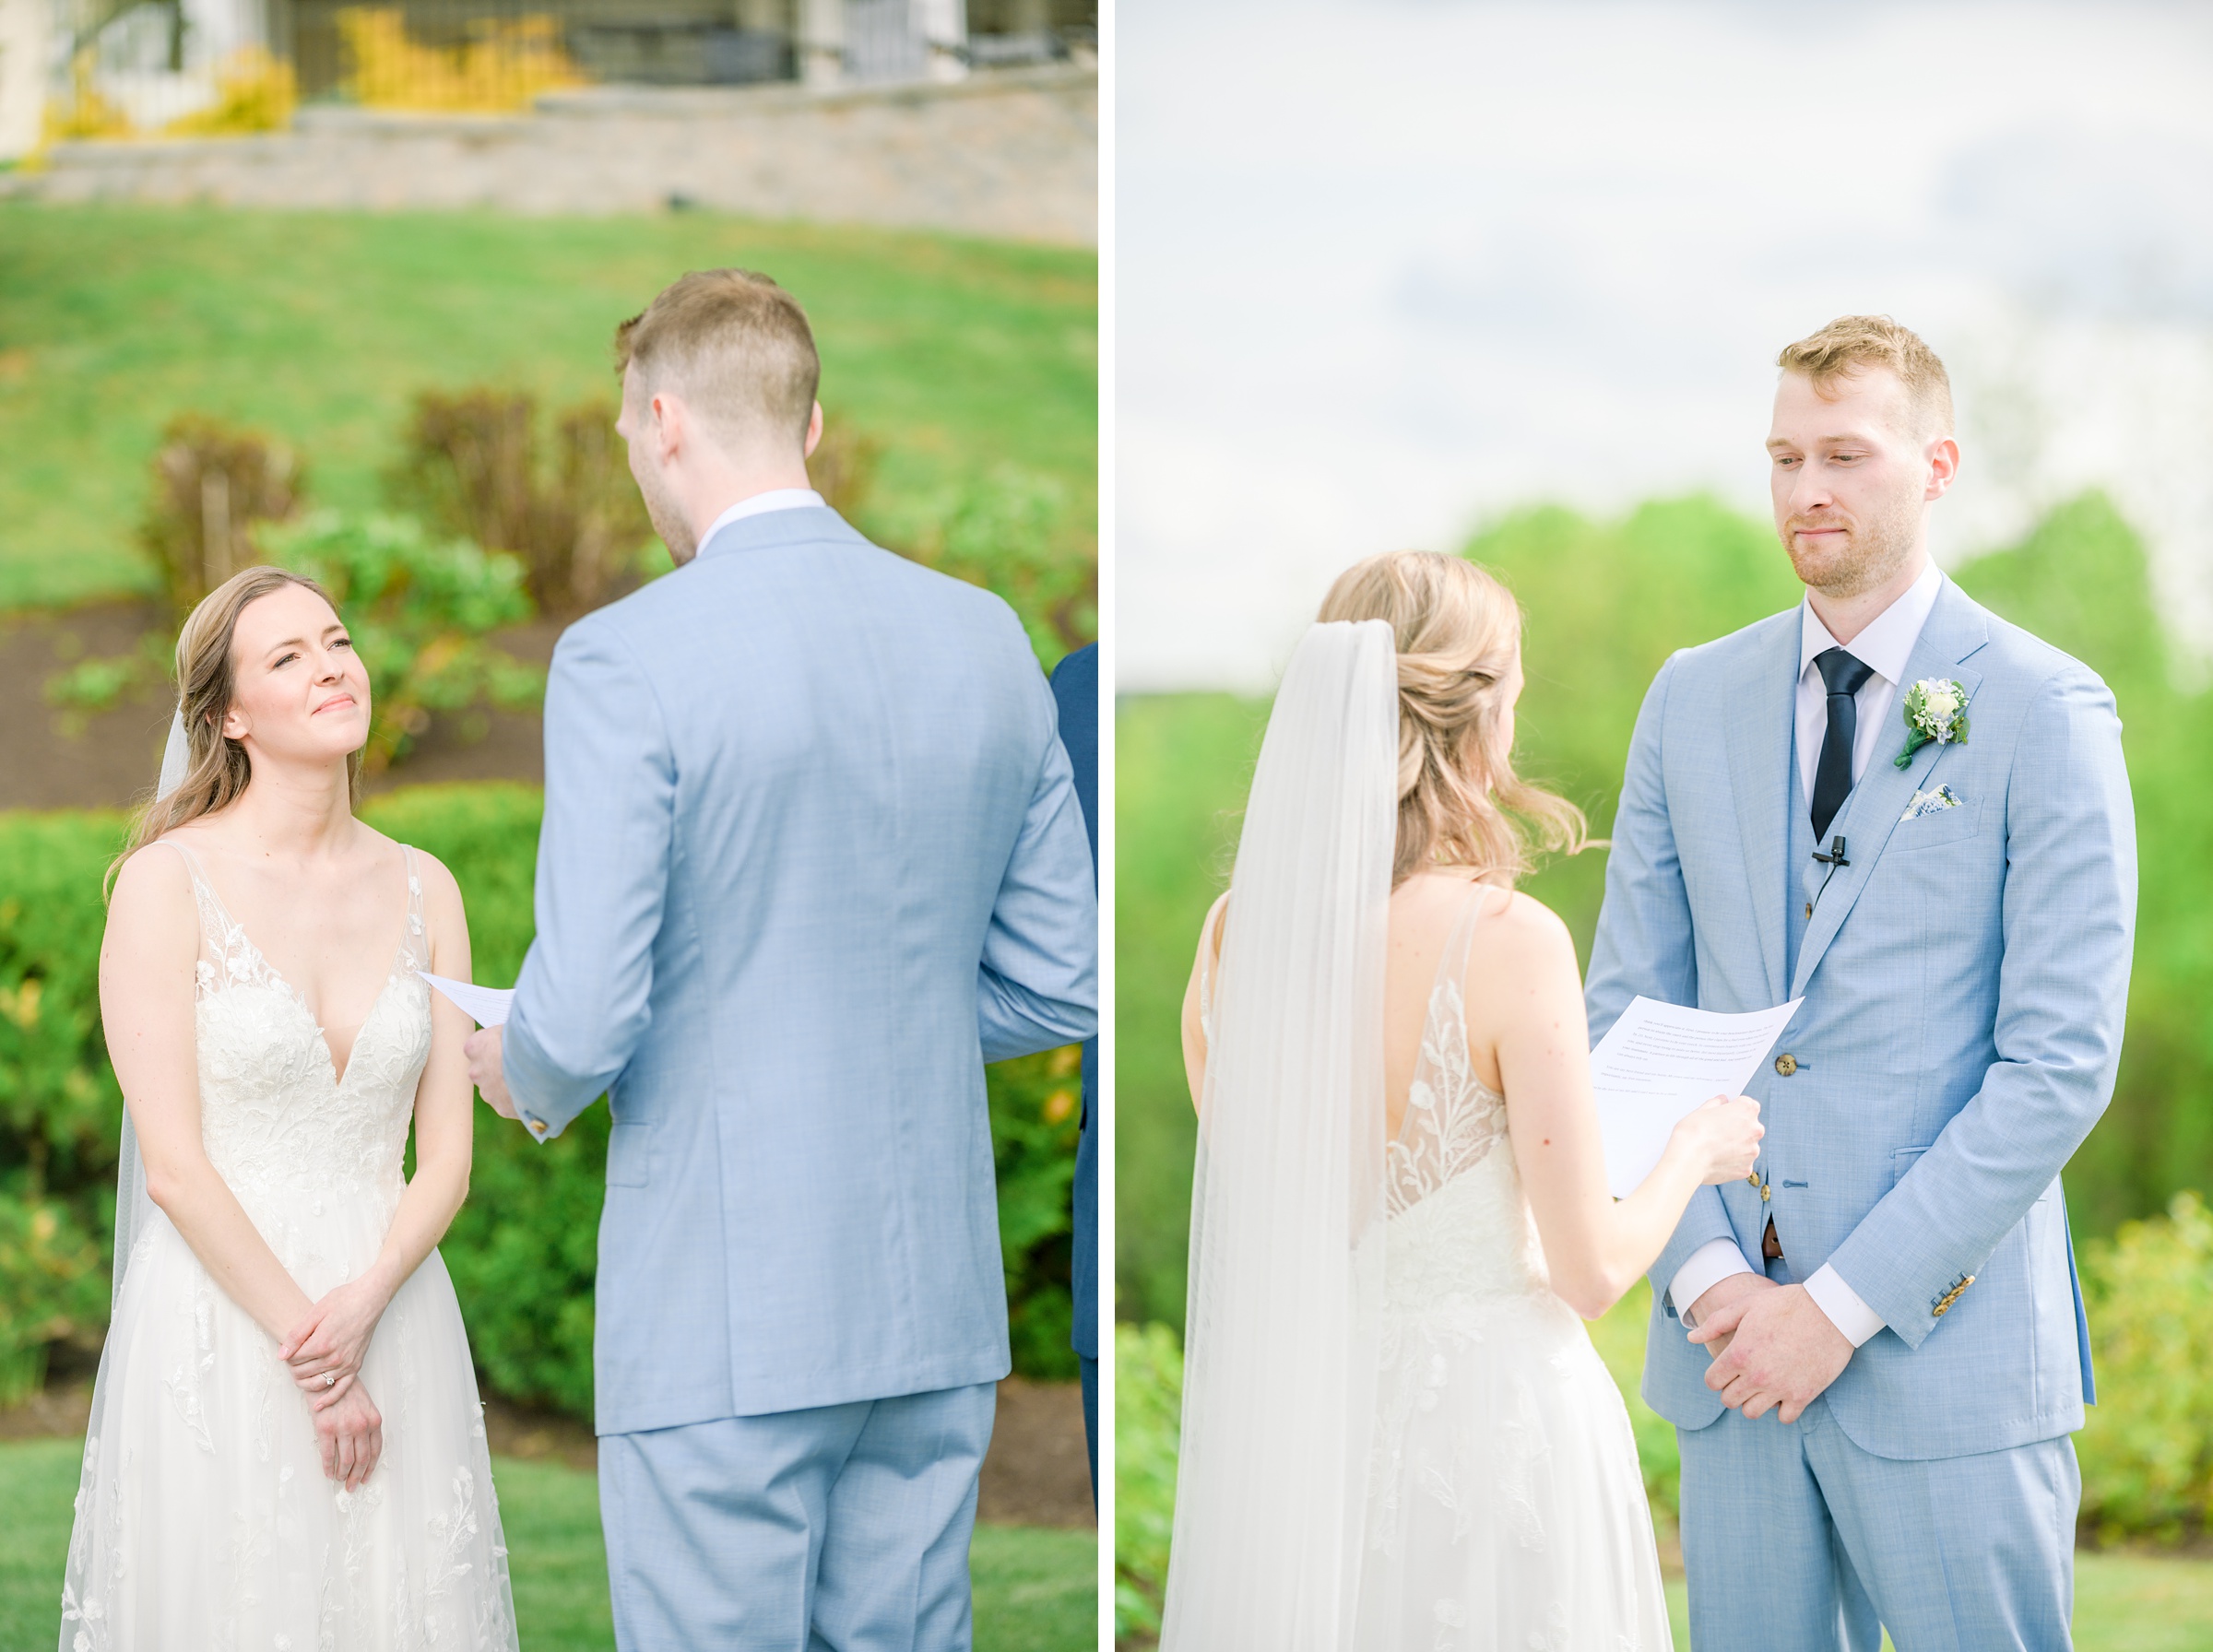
1205, 966
146, 1008
332, 1337
1526, 998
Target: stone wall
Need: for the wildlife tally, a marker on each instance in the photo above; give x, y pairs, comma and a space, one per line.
1008, 153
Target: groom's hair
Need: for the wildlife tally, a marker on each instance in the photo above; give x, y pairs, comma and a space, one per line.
1852, 343
736, 346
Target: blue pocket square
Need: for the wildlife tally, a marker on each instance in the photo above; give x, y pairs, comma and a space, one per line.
1928, 803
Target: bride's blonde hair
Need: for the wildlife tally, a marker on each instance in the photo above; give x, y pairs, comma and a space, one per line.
216, 767
1458, 633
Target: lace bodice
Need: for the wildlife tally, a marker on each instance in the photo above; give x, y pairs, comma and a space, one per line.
277, 1118
1459, 1224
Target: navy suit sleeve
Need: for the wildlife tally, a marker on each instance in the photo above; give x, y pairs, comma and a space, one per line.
1076, 690
1076, 693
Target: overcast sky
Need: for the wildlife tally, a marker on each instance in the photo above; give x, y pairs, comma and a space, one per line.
1388, 269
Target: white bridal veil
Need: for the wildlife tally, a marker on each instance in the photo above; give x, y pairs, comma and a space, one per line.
134, 1209
1280, 1343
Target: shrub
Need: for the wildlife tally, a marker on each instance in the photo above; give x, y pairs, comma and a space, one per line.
1148, 1422
1013, 532
1035, 1116
255, 90
505, 64
472, 466
59, 1105
523, 1252
418, 612
52, 1287
212, 483
843, 468
2146, 1451
84, 112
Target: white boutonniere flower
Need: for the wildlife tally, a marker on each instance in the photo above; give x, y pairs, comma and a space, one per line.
1935, 710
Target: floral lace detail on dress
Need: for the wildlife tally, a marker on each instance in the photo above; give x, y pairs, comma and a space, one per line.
1453, 1117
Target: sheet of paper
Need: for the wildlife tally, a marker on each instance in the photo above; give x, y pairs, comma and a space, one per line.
1658, 1062
486, 1004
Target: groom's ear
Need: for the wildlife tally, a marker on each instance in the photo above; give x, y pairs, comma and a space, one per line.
1944, 466
670, 426
814, 433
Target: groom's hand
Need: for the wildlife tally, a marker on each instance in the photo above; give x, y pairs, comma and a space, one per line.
1782, 1351
486, 1070
1715, 1297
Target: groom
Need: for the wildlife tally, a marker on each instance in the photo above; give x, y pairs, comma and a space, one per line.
1914, 816
812, 857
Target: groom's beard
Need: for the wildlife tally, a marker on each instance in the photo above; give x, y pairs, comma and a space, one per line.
1869, 552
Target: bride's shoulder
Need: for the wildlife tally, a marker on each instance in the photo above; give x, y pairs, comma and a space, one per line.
1519, 932
152, 892
439, 885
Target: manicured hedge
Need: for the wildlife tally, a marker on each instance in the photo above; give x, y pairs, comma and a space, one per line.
523, 1250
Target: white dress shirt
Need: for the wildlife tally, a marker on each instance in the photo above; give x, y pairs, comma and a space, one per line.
760, 504
1884, 647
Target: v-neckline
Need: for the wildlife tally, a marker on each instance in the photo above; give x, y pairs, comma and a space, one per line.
330, 1059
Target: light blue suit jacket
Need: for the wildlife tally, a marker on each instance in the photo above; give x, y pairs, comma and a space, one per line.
812, 857
1965, 979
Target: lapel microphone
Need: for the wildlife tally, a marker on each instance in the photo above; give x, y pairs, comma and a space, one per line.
1832, 860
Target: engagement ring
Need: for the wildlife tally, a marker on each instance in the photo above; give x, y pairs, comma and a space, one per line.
330, 1378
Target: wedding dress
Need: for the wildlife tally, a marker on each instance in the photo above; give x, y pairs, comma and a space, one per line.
1395, 1437
204, 1519
1505, 1505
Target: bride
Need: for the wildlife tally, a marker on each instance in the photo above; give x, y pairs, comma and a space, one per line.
286, 1447
1397, 1436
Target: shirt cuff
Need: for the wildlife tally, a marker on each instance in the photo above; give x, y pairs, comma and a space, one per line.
1843, 1305
1709, 1264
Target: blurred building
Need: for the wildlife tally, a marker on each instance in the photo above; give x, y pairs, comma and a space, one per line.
141, 65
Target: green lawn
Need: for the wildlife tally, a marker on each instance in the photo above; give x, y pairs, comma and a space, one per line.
957, 356
1036, 1590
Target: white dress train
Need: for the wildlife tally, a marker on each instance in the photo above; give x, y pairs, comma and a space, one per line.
203, 1516
1506, 1510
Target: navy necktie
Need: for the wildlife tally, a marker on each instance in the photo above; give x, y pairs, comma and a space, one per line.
1841, 675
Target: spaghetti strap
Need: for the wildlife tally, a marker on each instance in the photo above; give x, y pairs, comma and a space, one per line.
415, 946
1452, 964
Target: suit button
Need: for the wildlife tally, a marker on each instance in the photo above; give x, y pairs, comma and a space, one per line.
1786, 1064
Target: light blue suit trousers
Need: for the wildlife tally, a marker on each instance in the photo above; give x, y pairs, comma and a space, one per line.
842, 1528
1964, 979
